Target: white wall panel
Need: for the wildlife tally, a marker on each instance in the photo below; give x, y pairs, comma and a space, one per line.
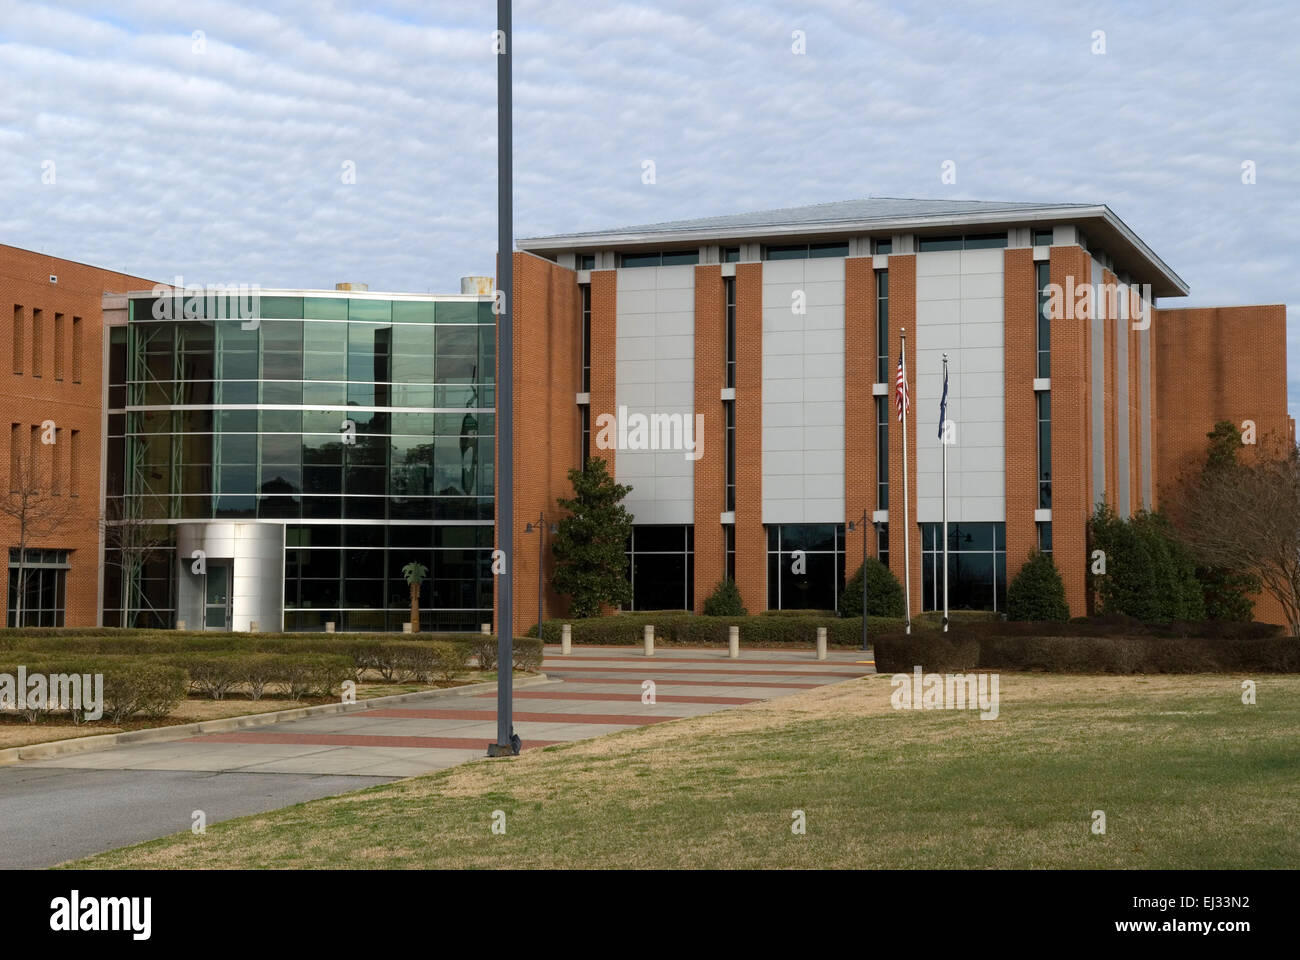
803, 392
655, 374
959, 311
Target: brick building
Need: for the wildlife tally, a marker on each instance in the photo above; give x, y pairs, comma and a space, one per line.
741, 369
52, 344
779, 334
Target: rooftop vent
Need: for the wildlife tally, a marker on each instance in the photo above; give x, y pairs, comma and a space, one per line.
358, 287
481, 286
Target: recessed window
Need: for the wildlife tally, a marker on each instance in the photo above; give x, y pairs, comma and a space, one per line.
936, 244
882, 453
586, 337
1044, 398
731, 254
586, 261
882, 245
661, 258
977, 566
970, 241
729, 333
1043, 238
661, 561
1043, 279
820, 578
729, 416
805, 251
1045, 536
882, 326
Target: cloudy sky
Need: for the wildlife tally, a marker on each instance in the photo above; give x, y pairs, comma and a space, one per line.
214, 139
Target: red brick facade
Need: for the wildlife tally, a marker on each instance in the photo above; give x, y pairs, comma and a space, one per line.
710, 468
51, 342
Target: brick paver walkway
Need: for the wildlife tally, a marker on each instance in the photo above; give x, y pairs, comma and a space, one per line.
594, 691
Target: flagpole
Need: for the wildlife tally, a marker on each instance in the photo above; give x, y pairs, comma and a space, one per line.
943, 440
907, 540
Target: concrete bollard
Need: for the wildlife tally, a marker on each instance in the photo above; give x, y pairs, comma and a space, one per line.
180, 624
566, 640
733, 643
821, 643
329, 626
485, 629
649, 635
252, 626
406, 626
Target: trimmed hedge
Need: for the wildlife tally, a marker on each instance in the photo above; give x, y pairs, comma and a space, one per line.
930, 650
1140, 654
131, 687
1107, 645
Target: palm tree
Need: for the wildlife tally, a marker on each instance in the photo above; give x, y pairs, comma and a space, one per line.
415, 572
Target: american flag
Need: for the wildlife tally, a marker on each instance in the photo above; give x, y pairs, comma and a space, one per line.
903, 401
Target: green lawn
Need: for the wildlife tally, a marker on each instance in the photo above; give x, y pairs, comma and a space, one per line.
1187, 775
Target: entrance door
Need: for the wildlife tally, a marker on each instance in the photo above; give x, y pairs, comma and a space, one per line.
217, 597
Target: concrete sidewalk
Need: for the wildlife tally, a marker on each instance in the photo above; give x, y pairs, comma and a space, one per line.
596, 690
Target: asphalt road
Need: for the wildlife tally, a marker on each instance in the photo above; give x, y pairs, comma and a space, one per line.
49, 815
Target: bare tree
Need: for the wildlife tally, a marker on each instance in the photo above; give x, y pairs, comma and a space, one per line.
37, 510
1245, 516
130, 542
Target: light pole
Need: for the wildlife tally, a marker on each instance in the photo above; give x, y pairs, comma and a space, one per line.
863, 523
506, 742
541, 540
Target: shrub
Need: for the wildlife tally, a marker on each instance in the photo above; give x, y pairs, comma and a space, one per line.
447, 660
1037, 592
724, 601
485, 650
314, 674
212, 674
884, 592
150, 690
528, 653
931, 651
1227, 594
1140, 654
1149, 574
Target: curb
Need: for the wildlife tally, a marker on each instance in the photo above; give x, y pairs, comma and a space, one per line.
105, 741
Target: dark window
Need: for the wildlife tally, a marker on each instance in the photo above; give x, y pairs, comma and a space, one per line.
1043, 238
586, 261
812, 580
931, 244
882, 326
642, 259
971, 241
729, 290
586, 337
662, 567
1044, 449
661, 258
1045, 536
729, 533
803, 251
882, 453
1043, 277
44, 588
984, 241
882, 245
585, 451
729, 411
977, 562
731, 254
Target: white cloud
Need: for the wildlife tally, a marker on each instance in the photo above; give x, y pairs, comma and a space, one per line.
226, 165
